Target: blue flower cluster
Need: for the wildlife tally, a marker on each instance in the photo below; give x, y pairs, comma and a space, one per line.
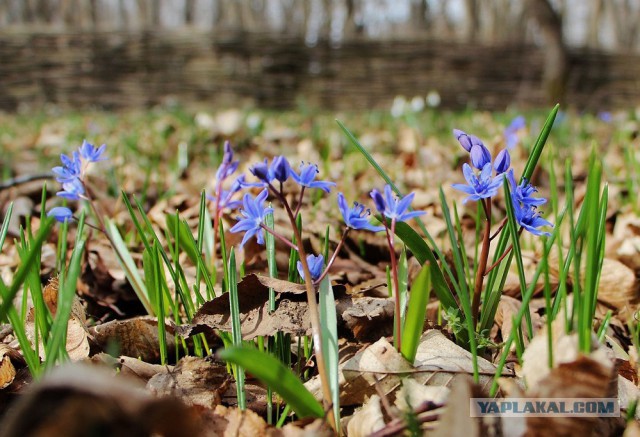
71, 176
224, 198
484, 184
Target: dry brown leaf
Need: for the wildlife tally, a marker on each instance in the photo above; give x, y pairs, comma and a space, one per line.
194, 380
7, 368
137, 337
456, 419
367, 419
369, 318
77, 335
76, 400
256, 320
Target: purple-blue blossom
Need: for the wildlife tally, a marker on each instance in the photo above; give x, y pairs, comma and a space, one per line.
89, 153
481, 186
478, 152
511, 132
523, 192
228, 165
253, 214
529, 218
393, 207
356, 217
502, 161
73, 190
316, 266
307, 177
60, 213
71, 168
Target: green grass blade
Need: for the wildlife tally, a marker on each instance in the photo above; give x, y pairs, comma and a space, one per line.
270, 243
8, 294
236, 332
416, 313
128, 265
329, 323
512, 224
5, 225
56, 348
281, 379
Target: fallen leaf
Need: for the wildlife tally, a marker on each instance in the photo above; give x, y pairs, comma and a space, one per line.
76, 400
194, 380
367, 419
137, 337
256, 320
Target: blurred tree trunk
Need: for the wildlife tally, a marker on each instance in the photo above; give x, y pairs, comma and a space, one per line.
473, 19
556, 62
594, 23
188, 12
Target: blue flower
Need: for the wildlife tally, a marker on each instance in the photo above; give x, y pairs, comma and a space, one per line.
254, 213
511, 132
529, 218
356, 217
71, 168
480, 187
392, 207
280, 169
316, 266
502, 162
307, 175
228, 165
73, 190
478, 152
61, 213
523, 193
480, 156
261, 171
226, 196
90, 153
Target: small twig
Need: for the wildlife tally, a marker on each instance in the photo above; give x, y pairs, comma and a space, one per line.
396, 426
18, 180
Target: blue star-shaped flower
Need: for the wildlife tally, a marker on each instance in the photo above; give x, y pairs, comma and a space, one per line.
316, 266
479, 187
254, 213
90, 153
356, 217
524, 192
307, 176
502, 162
73, 190
71, 168
529, 218
392, 207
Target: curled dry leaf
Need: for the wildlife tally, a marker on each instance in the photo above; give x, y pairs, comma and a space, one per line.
77, 334
76, 400
438, 363
456, 419
137, 337
194, 380
367, 419
9, 359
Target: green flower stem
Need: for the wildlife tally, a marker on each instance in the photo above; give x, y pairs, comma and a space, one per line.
482, 262
397, 330
314, 314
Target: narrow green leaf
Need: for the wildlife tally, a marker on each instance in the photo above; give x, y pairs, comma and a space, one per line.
236, 332
416, 313
281, 379
329, 323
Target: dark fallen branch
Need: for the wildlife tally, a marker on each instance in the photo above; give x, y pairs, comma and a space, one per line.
18, 180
